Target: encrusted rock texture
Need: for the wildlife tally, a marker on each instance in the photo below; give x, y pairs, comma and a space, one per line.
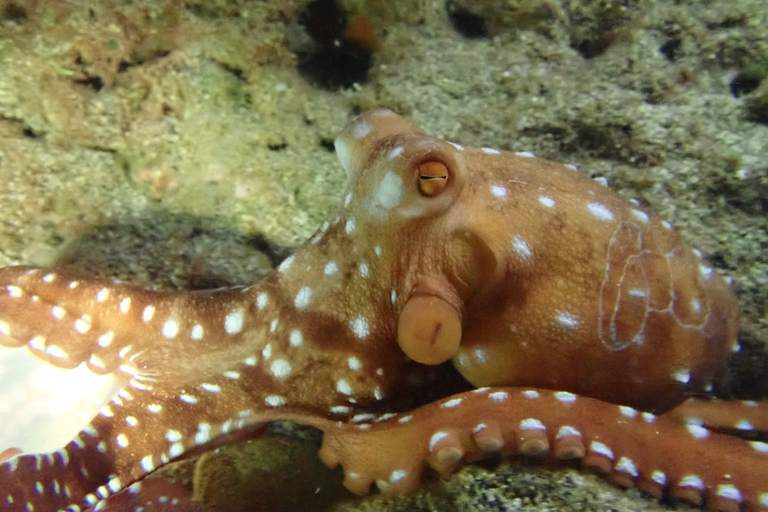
189, 145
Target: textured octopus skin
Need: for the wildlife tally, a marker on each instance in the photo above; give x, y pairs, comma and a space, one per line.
581, 320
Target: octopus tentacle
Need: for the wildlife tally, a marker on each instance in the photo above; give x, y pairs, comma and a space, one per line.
151, 495
633, 449
739, 415
68, 319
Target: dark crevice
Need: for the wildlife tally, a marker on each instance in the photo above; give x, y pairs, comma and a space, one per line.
672, 49
744, 83
337, 56
94, 82
465, 22
13, 13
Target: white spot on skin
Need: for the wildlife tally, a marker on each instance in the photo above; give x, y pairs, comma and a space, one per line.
394, 153
498, 396
233, 322
692, 481
729, 492
567, 431
499, 191
695, 306
147, 464
364, 270
600, 212
349, 226
377, 250
37, 343
286, 264
697, 431
261, 300
566, 320
343, 387
640, 215
546, 202
122, 440
450, 404
57, 312
397, 475
360, 130
56, 351
106, 339
347, 199
280, 368
148, 313
360, 327
331, 268
154, 408
436, 438
102, 295
682, 376
393, 297
457, 146
565, 397
628, 412
296, 339
659, 477
601, 449
47, 278
275, 400
388, 194
96, 361
705, 271
666, 224
354, 363
532, 424
82, 324
526, 154
273, 325
521, 248
531, 393
125, 305
211, 388
13, 291
190, 399
131, 420
490, 151
170, 328
230, 374
627, 465
303, 297
197, 332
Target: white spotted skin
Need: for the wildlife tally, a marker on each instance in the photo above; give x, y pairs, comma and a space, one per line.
509, 264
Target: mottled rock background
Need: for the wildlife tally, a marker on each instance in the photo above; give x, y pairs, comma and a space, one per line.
189, 145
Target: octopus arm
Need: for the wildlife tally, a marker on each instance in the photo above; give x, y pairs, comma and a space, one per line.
137, 432
151, 495
744, 415
633, 449
66, 320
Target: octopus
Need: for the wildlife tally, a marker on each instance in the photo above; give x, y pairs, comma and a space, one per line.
460, 302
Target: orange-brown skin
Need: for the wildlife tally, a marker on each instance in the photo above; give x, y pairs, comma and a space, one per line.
516, 271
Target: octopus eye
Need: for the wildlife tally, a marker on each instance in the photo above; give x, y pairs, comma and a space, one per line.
433, 177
